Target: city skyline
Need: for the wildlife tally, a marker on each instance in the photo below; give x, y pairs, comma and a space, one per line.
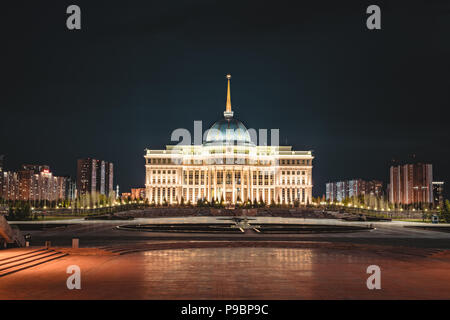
225, 159
284, 78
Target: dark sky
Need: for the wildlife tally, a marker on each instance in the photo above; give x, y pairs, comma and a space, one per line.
139, 69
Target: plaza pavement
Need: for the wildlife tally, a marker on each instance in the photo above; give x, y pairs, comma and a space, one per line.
118, 264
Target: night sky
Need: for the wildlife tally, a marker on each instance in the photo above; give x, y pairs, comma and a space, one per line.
137, 70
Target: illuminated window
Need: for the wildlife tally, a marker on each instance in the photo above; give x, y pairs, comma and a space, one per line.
228, 181
196, 178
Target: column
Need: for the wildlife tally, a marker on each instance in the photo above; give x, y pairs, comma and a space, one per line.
234, 185
242, 185
224, 178
257, 185
215, 183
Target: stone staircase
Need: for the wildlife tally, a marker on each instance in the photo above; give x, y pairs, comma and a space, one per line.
21, 261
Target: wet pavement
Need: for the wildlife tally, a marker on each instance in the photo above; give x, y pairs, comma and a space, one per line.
312, 271
122, 264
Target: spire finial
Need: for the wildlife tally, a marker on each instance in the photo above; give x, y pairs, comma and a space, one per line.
228, 113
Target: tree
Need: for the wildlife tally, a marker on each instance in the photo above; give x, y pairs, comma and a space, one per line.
248, 204
111, 198
22, 211
445, 211
346, 201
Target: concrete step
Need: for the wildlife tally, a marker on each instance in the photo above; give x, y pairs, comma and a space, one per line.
24, 258
37, 256
28, 262
14, 254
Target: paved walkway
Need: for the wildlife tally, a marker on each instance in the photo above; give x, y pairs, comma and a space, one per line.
120, 264
315, 271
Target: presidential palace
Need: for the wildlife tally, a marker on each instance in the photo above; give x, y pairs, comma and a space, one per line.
228, 166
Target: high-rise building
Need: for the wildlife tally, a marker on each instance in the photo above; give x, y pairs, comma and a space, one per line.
374, 187
438, 193
94, 176
2, 162
71, 188
331, 192
36, 168
411, 183
341, 190
109, 178
356, 187
65, 188
35, 183
338, 191
86, 175
9, 187
26, 186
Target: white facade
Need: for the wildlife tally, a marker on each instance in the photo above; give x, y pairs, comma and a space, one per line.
228, 167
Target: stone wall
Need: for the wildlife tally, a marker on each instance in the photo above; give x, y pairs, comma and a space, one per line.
9, 235
199, 211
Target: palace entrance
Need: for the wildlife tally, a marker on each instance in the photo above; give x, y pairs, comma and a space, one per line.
229, 197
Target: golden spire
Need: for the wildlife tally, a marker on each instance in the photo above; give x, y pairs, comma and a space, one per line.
228, 109
228, 112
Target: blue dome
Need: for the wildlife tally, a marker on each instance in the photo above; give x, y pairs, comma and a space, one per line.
228, 131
